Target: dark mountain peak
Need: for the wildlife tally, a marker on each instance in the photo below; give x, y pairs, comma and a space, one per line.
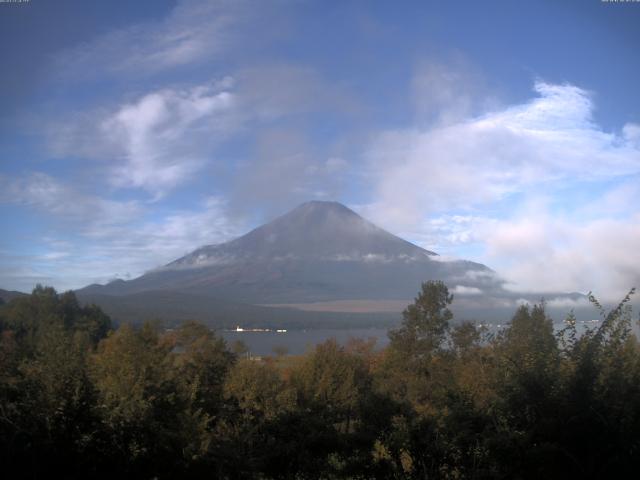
322, 207
316, 230
312, 217
317, 215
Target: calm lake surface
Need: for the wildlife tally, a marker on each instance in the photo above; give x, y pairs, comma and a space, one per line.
297, 342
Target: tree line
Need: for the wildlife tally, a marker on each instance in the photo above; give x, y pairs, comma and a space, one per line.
445, 399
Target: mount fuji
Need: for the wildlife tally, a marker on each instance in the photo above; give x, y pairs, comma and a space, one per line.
319, 257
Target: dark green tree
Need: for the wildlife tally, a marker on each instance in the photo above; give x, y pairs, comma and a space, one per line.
408, 371
425, 322
47, 398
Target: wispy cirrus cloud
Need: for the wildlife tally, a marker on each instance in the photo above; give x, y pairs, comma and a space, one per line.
447, 93
91, 239
285, 170
44, 193
193, 32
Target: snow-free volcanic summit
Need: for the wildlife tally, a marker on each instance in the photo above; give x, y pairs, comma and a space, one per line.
318, 252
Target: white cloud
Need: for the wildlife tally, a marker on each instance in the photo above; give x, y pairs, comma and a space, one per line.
335, 165
473, 163
193, 32
163, 138
537, 249
155, 142
548, 253
447, 232
569, 303
273, 90
286, 169
462, 290
506, 172
446, 93
127, 251
620, 200
95, 240
44, 193
631, 132
180, 232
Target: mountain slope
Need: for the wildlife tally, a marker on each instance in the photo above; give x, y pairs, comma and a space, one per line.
8, 295
320, 251
314, 230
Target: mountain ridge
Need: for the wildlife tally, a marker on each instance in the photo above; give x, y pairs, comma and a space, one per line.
8, 295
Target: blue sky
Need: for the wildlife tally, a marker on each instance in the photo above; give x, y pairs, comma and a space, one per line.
504, 132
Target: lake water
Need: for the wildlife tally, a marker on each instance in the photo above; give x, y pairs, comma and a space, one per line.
297, 342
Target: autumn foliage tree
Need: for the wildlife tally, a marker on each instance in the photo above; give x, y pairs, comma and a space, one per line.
444, 399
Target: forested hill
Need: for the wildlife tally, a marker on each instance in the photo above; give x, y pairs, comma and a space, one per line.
7, 295
79, 399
